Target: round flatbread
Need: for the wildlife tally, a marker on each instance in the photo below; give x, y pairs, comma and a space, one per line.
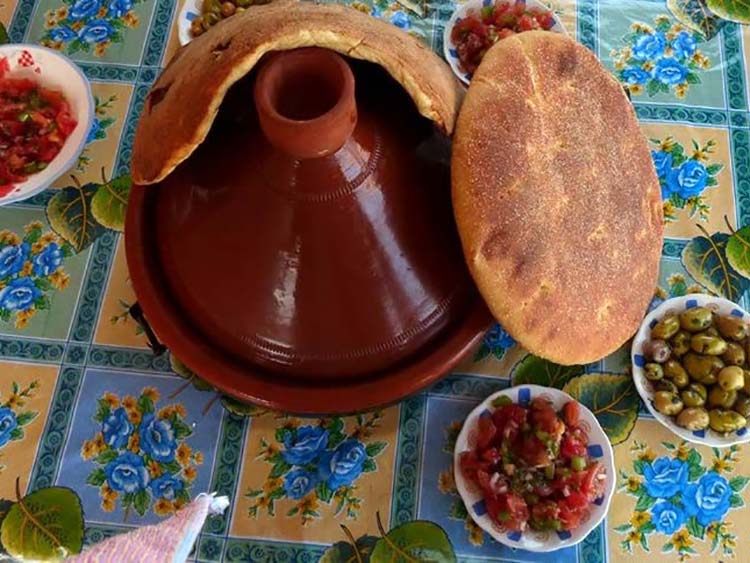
556, 198
184, 101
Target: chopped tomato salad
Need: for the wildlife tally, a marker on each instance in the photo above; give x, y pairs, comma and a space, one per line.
476, 33
532, 466
34, 124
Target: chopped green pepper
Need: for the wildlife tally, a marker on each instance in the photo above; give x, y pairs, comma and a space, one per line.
501, 401
577, 463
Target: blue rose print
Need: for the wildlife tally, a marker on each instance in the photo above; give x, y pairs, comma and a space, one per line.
306, 446
400, 19
62, 34
667, 517
96, 31
688, 180
299, 482
157, 438
496, 337
649, 46
12, 258
708, 500
167, 486
48, 260
116, 429
82, 9
118, 8
684, 46
635, 75
665, 477
662, 162
127, 473
343, 466
670, 72
19, 295
8, 423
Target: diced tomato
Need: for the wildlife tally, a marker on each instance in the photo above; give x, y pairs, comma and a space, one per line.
545, 20
486, 432
533, 451
517, 510
470, 464
569, 518
527, 23
491, 456
576, 499
591, 485
572, 445
571, 412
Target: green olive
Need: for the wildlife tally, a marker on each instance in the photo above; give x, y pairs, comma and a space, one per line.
694, 395
666, 385
196, 26
210, 19
734, 355
674, 371
718, 397
657, 350
667, 403
695, 319
653, 372
227, 9
702, 369
666, 328
746, 386
244, 3
731, 327
680, 343
731, 378
742, 405
711, 331
705, 344
693, 418
725, 421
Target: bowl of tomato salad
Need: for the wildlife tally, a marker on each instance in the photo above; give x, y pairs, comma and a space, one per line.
534, 468
477, 25
46, 113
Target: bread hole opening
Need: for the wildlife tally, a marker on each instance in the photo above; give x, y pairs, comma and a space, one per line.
306, 95
219, 48
156, 96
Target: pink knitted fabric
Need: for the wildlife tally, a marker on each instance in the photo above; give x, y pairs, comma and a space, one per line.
167, 541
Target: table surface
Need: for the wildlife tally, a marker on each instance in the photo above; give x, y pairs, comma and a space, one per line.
77, 380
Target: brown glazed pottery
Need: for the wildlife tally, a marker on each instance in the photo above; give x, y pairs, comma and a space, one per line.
305, 256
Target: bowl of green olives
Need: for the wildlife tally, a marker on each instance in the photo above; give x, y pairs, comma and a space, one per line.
691, 366
198, 16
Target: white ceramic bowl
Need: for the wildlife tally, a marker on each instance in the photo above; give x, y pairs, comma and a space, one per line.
51, 70
646, 388
599, 449
462, 10
191, 9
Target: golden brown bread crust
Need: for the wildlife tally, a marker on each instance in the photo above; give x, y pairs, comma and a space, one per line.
183, 103
556, 198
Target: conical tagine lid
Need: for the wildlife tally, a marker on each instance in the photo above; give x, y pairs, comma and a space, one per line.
302, 253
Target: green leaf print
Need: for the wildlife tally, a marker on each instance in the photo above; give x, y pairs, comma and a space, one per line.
45, 525
652, 88
738, 251
732, 10
97, 477
69, 215
4, 39
735, 501
532, 369
141, 501
705, 259
369, 466
344, 552
375, 448
644, 503
695, 528
613, 400
738, 483
106, 456
279, 469
324, 492
695, 15
414, 541
25, 417
110, 202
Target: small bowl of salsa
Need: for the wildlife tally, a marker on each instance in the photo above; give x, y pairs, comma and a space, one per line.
476, 25
534, 468
46, 112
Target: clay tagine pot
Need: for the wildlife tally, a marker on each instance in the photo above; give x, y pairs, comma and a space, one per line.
305, 256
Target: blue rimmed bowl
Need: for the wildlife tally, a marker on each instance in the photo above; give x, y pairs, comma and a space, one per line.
645, 388
463, 8
599, 449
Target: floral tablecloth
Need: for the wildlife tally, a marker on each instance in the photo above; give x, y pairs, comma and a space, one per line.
99, 435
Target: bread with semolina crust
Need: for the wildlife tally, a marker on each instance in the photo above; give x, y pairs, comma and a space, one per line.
556, 198
183, 103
